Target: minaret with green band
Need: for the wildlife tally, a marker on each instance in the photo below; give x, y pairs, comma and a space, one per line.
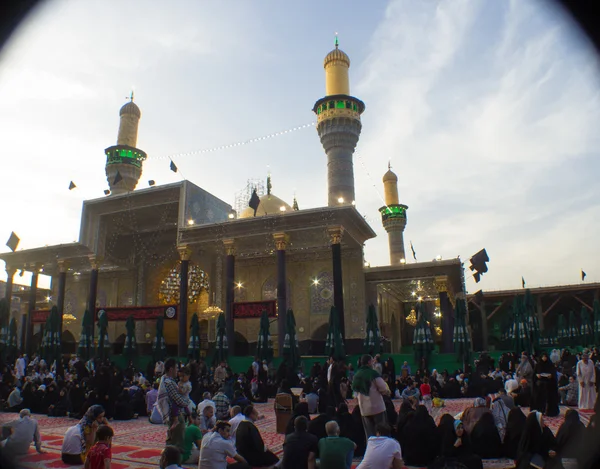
393, 217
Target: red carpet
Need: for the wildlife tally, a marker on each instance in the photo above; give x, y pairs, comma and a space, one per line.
137, 443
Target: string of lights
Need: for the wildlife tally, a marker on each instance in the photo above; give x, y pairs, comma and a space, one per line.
235, 144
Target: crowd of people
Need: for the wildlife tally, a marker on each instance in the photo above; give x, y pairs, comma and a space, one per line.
210, 416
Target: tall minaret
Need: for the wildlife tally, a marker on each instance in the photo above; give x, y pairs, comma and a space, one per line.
393, 217
124, 160
338, 124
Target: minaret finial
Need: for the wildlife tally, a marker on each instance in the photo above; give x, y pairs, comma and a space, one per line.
337, 41
389, 164
269, 186
131, 96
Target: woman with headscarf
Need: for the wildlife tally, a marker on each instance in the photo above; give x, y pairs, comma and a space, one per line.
344, 420
545, 387
486, 439
537, 445
301, 409
471, 415
570, 435
421, 439
405, 409
514, 430
317, 425
358, 432
445, 425
456, 447
93, 418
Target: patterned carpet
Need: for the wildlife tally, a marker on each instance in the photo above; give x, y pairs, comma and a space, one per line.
137, 443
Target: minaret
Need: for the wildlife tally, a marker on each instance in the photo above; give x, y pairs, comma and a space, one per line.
338, 124
393, 217
124, 160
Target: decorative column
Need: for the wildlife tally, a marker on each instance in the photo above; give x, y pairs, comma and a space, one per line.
441, 284
62, 282
229, 293
31, 308
10, 273
184, 254
91, 303
281, 240
335, 234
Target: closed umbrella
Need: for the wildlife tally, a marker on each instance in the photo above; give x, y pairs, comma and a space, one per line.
573, 337
461, 337
130, 347
194, 345
159, 347
46, 347
533, 324
291, 350
334, 343
221, 346
422, 339
562, 333
520, 329
264, 345
86, 341
55, 345
4, 332
596, 322
586, 335
372, 344
103, 343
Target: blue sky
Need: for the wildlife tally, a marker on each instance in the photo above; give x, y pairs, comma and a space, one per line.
488, 112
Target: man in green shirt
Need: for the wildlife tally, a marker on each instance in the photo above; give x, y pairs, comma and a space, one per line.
335, 452
193, 436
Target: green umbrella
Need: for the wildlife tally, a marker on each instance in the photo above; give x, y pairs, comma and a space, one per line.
221, 347
46, 347
334, 343
56, 332
586, 336
596, 322
194, 345
461, 337
4, 332
562, 333
573, 337
422, 340
86, 341
291, 350
130, 346
264, 345
372, 342
159, 347
13, 346
533, 324
103, 343
520, 333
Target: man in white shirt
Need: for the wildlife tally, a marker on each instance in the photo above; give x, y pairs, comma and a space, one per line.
14, 399
20, 366
216, 447
383, 452
236, 417
24, 432
71, 447
586, 375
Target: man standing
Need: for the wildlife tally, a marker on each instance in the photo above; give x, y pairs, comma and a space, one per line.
300, 447
217, 446
525, 370
193, 436
23, 432
586, 375
220, 374
20, 366
370, 388
171, 405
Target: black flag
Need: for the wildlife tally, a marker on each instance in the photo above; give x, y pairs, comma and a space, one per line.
413, 251
254, 201
13, 241
583, 274
118, 178
72, 186
523, 282
173, 167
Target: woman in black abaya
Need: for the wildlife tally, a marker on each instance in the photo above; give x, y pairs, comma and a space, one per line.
545, 387
486, 439
456, 447
300, 410
514, 430
421, 439
570, 435
537, 445
405, 409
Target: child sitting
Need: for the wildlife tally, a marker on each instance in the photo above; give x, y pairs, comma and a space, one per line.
100, 454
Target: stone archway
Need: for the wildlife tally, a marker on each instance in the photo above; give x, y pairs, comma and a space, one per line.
242, 348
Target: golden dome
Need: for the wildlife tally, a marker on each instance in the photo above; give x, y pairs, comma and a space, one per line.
269, 205
130, 108
336, 55
390, 176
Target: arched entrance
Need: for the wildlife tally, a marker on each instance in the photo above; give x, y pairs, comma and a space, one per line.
242, 348
318, 337
68, 343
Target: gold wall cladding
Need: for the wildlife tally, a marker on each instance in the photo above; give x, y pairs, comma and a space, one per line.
332, 113
254, 273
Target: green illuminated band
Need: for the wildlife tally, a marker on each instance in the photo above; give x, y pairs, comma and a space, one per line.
124, 154
393, 211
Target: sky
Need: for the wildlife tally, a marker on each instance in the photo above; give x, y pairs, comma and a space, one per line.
487, 112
